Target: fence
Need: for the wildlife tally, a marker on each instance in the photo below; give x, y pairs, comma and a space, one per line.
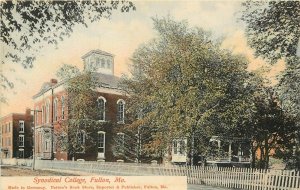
241, 178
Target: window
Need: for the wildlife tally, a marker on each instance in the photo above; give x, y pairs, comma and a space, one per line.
101, 107
55, 110
179, 146
21, 126
101, 141
121, 142
108, 64
81, 137
48, 112
8, 141
9, 126
98, 61
175, 146
43, 114
102, 63
62, 142
62, 107
21, 153
36, 116
47, 145
120, 111
21, 140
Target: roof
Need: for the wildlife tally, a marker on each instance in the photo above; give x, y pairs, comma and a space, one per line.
97, 51
105, 80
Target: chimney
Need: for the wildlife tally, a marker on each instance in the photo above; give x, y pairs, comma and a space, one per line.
28, 111
53, 81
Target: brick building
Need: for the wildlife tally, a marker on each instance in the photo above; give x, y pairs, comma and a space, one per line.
16, 135
53, 111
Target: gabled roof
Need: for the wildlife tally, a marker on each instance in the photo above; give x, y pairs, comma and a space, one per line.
97, 51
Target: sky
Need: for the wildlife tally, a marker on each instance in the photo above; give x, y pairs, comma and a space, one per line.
121, 35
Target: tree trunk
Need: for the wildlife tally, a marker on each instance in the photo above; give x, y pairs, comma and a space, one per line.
253, 155
266, 154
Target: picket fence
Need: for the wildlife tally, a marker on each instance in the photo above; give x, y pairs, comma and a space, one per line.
235, 178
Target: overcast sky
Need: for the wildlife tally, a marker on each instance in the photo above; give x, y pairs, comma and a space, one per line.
121, 35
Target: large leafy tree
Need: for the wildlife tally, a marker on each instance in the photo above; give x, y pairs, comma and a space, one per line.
82, 113
28, 26
273, 31
184, 85
78, 133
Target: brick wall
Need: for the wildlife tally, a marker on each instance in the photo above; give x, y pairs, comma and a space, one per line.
10, 135
57, 122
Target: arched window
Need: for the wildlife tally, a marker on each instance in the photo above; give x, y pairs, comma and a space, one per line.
48, 112
55, 110
62, 107
120, 111
101, 108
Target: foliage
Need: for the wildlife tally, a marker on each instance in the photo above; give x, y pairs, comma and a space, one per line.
289, 89
67, 71
273, 128
82, 112
182, 83
272, 28
274, 33
28, 26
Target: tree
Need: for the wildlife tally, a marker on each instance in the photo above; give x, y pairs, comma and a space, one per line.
67, 72
27, 26
183, 84
272, 28
272, 128
273, 31
82, 113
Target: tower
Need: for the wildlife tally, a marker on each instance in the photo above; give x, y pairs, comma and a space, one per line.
99, 61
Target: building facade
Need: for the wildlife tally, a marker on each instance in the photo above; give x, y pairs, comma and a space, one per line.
52, 111
16, 135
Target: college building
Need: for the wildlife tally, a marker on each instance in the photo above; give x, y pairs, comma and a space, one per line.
51, 107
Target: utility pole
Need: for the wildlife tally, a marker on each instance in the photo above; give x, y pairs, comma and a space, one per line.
33, 140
